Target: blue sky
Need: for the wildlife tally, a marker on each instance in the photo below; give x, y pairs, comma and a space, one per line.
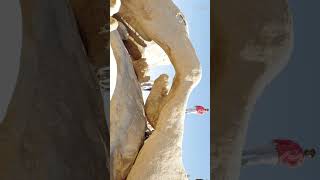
196, 145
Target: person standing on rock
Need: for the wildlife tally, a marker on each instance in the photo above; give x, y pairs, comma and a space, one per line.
200, 110
279, 151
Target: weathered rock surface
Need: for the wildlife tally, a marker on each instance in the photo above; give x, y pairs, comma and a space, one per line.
128, 122
161, 155
91, 17
133, 49
253, 42
54, 127
156, 98
142, 70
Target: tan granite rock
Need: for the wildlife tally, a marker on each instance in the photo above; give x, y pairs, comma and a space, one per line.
155, 99
161, 155
128, 121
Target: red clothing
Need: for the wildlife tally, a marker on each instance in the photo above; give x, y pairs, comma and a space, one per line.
289, 152
200, 109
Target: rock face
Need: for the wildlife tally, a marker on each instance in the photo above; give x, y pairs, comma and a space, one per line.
253, 43
90, 18
160, 157
54, 127
156, 99
128, 122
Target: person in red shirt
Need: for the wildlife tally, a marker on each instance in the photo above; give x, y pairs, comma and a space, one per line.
279, 151
200, 110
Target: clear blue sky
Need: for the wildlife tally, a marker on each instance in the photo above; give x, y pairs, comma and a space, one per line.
196, 145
